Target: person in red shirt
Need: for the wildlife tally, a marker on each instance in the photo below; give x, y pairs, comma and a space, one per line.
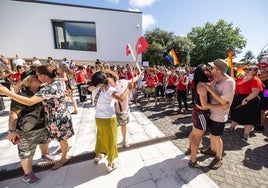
171, 84
17, 76
90, 70
161, 86
246, 101
182, 86
151, 81
80, 76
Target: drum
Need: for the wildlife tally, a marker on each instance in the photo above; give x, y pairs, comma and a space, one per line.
2, 104
84, 90
160, 84
169, 91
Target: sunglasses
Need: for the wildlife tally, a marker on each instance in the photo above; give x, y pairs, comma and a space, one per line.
210, 68
249, 69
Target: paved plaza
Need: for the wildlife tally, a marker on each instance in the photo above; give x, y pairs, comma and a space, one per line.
158, 136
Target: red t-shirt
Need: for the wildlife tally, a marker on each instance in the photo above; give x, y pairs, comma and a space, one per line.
16, 77
80, 77
246, 87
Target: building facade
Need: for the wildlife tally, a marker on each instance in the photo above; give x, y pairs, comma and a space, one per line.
82, 33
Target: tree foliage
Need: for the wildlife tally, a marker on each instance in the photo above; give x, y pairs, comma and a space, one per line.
248, 57
161, 42
214, 41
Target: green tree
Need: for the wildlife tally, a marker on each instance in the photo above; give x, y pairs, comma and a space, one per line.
248, 57
161, 42
214, 41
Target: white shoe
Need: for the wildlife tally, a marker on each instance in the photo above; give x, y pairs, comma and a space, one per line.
97, 159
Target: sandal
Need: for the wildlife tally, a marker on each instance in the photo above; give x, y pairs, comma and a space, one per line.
97, 159
125, 144
112, 167
59, 164
74, 112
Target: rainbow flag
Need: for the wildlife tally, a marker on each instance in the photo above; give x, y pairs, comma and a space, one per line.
172, 57
230, 70
240, 71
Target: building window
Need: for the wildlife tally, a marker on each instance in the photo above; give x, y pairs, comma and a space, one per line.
75, 35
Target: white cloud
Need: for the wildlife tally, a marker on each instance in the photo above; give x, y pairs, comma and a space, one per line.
141, 3
113, 1
147, 21
134, 9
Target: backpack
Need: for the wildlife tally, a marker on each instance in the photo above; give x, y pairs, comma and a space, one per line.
31, 118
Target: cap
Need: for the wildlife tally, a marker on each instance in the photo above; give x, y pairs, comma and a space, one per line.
27, 73
219, 64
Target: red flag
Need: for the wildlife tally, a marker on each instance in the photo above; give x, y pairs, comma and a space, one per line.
128, 50
141, 45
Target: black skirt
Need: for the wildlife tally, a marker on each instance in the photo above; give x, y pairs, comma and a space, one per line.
248, 114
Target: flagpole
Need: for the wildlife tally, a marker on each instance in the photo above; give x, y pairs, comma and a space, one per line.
135, 59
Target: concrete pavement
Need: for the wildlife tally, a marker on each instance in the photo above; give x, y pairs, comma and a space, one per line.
152, 164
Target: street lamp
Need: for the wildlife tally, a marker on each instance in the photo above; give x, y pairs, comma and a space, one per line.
264, 54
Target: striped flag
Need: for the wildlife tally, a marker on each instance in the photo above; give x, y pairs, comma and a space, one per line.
172, 57
230, 70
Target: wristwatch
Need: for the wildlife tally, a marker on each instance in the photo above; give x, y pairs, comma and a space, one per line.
11, 131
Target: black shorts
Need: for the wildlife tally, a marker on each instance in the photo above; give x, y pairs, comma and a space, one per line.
215, 128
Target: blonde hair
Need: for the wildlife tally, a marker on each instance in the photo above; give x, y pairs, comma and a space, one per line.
25, 83
111, 74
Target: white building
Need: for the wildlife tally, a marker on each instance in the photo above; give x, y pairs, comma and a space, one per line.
42, 29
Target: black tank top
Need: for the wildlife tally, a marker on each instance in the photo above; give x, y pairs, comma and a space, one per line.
197, 98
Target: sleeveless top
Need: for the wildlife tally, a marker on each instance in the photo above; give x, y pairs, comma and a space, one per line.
197, 98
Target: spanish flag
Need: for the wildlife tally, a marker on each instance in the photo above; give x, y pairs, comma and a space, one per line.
172, 57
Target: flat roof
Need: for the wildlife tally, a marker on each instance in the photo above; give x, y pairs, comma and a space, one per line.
78, 6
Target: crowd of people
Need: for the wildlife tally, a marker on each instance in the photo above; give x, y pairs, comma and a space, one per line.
217, 98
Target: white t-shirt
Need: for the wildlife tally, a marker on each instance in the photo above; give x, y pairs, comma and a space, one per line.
36, 62
18, 61
105, 104
226, 91
121, 86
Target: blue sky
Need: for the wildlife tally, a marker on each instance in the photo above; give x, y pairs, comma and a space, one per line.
180, 16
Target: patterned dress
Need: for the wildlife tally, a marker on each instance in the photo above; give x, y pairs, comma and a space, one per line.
57, 116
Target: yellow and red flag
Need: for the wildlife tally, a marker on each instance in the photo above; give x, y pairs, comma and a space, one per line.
230, 70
